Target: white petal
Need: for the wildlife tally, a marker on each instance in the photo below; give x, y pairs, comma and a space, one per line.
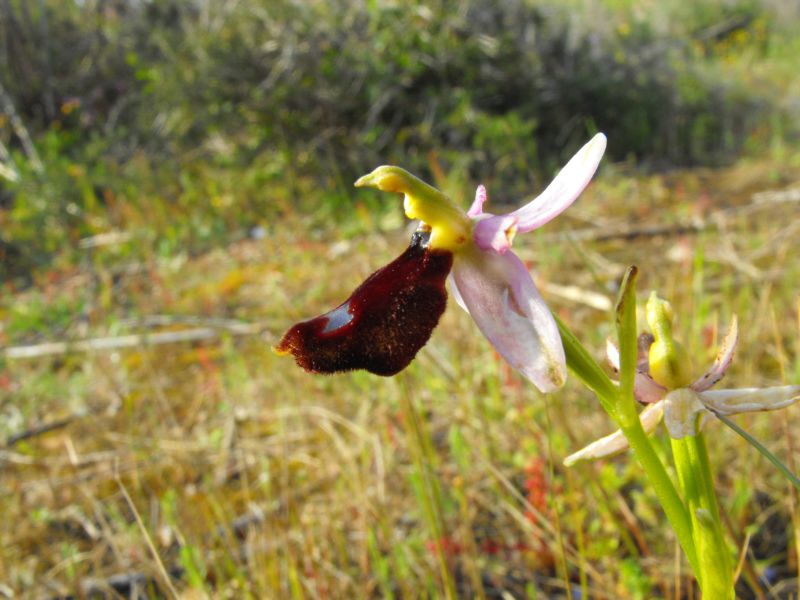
456, 293
731, 402
616, 442
612, 354
682, 409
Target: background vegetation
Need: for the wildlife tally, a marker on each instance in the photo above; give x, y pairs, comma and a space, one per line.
184, 170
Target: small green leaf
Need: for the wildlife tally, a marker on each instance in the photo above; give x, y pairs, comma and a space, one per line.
628, 350
585, 368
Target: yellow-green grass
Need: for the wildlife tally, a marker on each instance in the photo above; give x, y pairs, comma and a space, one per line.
225, 464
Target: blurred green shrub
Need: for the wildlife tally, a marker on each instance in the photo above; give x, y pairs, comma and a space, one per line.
375, 81
232, 112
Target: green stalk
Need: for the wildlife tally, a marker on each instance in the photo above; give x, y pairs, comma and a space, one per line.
625, 313
620, 405
628, 420
694, 474
665, 491
584, 367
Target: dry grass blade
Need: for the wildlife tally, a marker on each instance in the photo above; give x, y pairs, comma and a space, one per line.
166, 579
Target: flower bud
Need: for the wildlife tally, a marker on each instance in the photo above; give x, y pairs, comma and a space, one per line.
670, 365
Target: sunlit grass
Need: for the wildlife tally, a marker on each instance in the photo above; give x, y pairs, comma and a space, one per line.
207, 199
225, 469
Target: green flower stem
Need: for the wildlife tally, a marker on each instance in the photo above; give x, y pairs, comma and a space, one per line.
670, 366
665, 491
585, 368
628, 416
696, 480
625, 321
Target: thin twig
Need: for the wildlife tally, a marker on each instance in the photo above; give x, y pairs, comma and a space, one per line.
38, 430
596, 234
7, 168
8, 173
577, 294
776, 196
758, 201
129, 341
7, 106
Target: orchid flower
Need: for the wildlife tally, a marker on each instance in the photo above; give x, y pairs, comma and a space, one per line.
662, 382
390, 316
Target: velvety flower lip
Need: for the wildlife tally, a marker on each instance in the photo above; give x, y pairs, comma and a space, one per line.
384, 322
389, 317
685, 410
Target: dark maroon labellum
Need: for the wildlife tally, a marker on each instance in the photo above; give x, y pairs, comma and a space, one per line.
383, 324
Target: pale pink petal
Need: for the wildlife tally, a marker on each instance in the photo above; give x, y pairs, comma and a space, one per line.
616, 442
564, 189
731, 402
645, 389
501, 297
495, 233
723, 360
477, 205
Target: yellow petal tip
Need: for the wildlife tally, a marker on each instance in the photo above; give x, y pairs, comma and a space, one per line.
387, 178
363, 181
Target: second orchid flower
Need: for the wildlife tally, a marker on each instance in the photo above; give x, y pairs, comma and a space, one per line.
663, 382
